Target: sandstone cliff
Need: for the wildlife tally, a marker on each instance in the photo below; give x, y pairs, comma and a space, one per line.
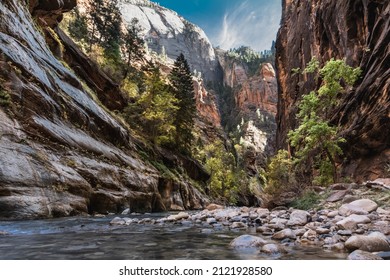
253, 108
61, 151
169, 34
357, 30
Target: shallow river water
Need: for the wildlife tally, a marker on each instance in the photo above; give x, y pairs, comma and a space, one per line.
93, 238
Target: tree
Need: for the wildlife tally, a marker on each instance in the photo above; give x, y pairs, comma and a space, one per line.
133, 45
183, 89
315, 138
154, 109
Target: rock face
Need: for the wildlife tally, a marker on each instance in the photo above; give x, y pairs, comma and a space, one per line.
167, 32
61, 153
358, 32
253, 106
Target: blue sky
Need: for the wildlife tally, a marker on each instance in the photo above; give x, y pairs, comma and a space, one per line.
232, 23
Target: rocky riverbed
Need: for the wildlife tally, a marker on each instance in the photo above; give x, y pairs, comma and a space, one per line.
350, 223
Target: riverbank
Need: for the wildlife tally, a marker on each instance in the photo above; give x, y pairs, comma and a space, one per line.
353, 219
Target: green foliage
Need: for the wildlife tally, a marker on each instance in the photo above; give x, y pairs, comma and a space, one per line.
315, 137
78, 26
132, 45
182, 88
226, 179
307, 201
154, 109
5, 98
280, 173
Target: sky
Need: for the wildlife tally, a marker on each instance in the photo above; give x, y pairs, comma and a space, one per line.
232, 23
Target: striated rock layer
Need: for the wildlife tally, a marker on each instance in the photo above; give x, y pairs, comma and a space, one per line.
61, 152
357, 30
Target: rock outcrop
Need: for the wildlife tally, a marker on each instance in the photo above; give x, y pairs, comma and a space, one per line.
169, 34
61, 152
253, 107
356, 31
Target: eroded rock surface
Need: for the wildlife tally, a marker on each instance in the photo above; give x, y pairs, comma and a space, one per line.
355, 30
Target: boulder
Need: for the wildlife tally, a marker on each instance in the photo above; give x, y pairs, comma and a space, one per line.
362, 255
361, 206
374, 242
298, 218
352, 221
247, 241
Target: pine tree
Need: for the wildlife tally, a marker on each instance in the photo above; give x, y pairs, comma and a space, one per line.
132, 45
183, 89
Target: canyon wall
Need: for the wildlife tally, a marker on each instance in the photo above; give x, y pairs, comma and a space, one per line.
354, 30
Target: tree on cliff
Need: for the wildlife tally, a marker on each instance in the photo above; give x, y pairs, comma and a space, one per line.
133, 45
316, 139
183, 89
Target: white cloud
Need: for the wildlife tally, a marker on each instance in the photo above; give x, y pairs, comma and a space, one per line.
249, 24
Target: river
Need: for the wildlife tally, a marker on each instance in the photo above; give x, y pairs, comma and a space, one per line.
94, 239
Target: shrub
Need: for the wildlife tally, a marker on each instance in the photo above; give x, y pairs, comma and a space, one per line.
280, 176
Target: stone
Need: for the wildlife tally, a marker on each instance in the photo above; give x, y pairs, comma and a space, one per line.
382, 211
238, 225
263, 212
278, 221
349, 198
214, 206
117, 221
337, 196
126, 211
374, 242
298, 218
322, 230
271, 249
381, 183
332, 214
299, 231
211, 221
344, 232
352, 221
247, 241
361, 207
363, 255
128, 221
310, 235
383, 255
346, 210
283, 234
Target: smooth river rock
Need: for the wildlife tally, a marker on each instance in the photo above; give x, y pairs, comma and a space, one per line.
283, 234
363, 255
247, 241
361, 206
352, 221
298, 218
374, 242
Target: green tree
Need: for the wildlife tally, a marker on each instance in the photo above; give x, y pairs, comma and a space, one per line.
154, 109
182, 87
315, 138
78, 26
133, 46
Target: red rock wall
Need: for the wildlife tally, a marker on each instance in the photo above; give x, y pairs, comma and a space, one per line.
357, 30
